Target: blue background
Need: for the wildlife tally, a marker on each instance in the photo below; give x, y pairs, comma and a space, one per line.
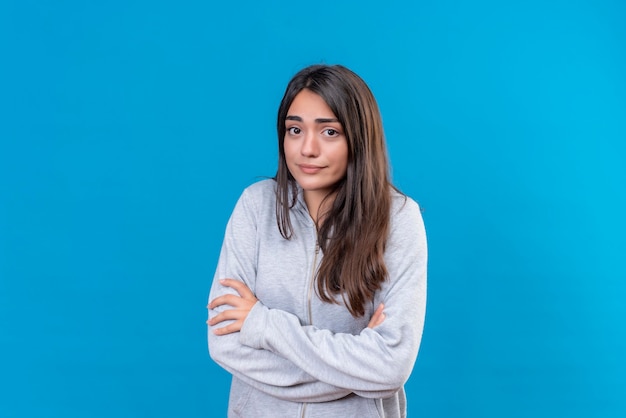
129, 128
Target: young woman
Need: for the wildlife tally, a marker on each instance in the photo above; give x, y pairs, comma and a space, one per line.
318, 302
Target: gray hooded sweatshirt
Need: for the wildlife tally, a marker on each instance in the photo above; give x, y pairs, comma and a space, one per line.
297, 356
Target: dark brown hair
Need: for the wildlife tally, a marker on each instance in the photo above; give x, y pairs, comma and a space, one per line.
354, 230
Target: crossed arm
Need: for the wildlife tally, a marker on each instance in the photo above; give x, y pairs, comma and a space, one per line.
239, 305
262, 369
272, 351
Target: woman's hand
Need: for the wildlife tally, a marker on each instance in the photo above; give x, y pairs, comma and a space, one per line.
378, 317
241, 305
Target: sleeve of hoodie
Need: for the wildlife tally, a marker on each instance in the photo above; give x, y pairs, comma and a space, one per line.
266, 371
376, 362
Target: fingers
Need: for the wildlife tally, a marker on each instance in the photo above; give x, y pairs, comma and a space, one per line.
227, 316
232, 314
236, 315
239, 286
378, 317
238, 307
245, 298
229, 329
231, 300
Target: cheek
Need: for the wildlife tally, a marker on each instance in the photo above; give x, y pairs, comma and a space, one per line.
290, 156
342, 157
287, 150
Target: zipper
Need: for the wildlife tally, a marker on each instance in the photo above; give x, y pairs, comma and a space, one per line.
309, 296
310, 293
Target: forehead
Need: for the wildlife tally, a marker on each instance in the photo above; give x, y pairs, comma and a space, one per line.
307, 103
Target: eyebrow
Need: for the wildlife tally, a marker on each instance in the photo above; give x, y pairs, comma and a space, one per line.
318, 120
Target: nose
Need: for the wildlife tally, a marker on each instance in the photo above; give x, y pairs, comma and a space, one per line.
310, 145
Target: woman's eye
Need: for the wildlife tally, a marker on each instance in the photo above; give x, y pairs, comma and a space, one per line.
332, 132
294, 130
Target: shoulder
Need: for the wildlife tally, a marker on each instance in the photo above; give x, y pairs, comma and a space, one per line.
406, 247
256, 203
261, 188
261, 192
406, 217
404, 206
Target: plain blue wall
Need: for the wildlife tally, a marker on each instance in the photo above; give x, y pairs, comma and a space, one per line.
129, 128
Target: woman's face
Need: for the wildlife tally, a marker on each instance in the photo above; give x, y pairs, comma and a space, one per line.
316, 150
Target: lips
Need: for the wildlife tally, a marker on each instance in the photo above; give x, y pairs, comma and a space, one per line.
309, 168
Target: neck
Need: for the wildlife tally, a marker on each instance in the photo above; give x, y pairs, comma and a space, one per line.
318, 203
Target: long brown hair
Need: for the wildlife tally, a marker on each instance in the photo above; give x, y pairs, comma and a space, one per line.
355, 227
